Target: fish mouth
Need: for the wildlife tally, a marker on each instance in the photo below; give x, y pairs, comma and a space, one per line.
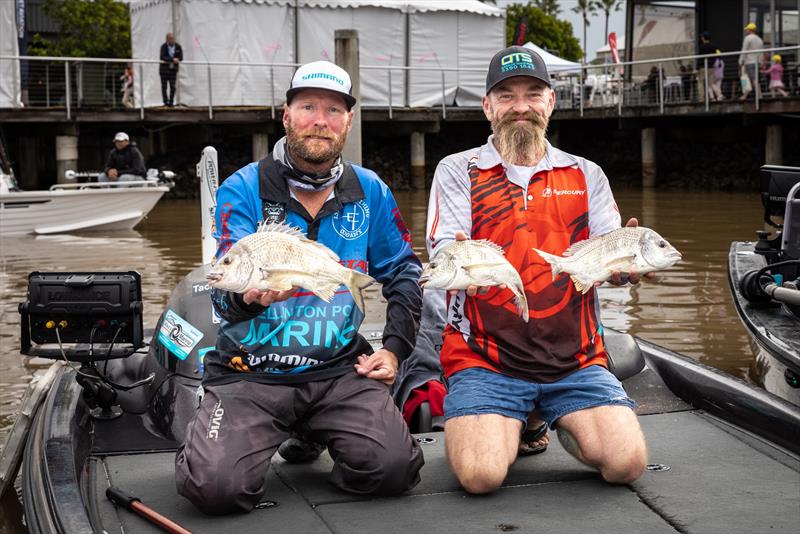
423, 279
213, 278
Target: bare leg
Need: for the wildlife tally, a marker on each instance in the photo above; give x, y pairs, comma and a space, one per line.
607, 438
481, 448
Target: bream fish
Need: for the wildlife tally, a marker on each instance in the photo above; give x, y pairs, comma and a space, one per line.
279, 257
461, 264
624, 249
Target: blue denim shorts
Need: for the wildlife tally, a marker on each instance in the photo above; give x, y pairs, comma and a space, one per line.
478, 391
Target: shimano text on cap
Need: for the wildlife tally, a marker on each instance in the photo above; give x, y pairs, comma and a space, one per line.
322, 75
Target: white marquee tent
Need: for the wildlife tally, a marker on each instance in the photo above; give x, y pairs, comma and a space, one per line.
392, 33
553, 62
9, 69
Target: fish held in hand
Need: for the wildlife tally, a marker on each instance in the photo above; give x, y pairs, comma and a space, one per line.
624, 250
279, 257
461, 264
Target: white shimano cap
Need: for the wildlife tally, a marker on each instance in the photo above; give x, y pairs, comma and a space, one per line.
121, 136
322, 75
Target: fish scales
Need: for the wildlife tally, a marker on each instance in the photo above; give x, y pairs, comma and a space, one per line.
460, 264
623, 250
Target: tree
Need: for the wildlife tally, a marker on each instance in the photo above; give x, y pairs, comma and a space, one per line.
86, 28
549, 7
545, 30
608, 6
586, 8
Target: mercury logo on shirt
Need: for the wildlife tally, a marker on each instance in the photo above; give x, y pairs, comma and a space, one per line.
549, 192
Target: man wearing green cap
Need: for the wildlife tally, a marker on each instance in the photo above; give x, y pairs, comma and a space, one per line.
748, 61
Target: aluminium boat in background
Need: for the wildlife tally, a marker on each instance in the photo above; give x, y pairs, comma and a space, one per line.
764, 278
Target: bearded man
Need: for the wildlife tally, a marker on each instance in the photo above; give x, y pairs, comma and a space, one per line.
288, 362
503, 374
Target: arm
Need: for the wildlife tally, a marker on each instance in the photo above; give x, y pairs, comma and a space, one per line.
136, 164
393, 263
163, 54
178, 52
109, 161
450, 204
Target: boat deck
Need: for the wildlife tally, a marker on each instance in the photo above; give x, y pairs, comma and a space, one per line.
719, 479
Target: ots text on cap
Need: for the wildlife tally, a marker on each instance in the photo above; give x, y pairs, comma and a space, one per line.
515, 61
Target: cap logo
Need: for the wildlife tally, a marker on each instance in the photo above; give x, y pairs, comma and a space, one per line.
324, 75
516, 60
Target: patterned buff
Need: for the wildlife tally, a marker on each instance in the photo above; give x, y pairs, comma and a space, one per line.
297, 178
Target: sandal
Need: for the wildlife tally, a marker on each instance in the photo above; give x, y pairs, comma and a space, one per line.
531, 436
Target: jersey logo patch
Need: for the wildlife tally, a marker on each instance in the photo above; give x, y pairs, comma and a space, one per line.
353, 221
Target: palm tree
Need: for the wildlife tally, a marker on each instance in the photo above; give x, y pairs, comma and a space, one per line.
607, 6
586, 8
549, 7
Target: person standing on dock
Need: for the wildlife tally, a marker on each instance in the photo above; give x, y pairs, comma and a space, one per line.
171, 56
286, 362
748, 61
705, 74
520, 192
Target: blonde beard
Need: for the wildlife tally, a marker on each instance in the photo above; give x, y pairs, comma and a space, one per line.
520, 143
310, 154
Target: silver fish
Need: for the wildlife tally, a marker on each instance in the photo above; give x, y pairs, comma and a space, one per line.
624, 249
461, 264
279, 257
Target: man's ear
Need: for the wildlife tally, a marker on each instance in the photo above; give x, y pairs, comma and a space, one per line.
285, 115
487, 108
350, 119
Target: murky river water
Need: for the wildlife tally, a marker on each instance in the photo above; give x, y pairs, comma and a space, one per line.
687, 309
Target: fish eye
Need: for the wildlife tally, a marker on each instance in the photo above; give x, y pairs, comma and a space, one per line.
226, 260
662, 244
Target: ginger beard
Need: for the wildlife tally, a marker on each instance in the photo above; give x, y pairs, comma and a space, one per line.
520, 142
307, 146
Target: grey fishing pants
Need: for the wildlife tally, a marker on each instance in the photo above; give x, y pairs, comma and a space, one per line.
222, 464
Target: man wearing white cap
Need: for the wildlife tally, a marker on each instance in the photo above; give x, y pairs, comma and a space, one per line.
287, 362
125, 163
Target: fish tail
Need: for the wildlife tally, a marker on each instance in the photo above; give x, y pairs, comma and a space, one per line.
522, 303
356, 283
553, 260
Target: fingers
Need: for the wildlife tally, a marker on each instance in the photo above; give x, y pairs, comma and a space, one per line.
378, 366
265, 298
461, 236
632, 222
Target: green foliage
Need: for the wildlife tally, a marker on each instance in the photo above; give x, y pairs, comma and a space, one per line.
87, 28
550, 7
544, 30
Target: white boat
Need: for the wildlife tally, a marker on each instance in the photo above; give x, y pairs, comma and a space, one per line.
76, 207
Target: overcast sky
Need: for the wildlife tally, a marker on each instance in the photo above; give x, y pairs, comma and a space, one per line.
594, 33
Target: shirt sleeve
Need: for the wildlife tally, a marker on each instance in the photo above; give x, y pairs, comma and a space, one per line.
603, 211
393, 263
450, 204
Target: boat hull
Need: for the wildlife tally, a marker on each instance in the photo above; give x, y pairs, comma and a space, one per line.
74, 210
772, 328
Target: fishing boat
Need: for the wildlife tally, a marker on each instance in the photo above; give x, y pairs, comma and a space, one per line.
764, 278
77, 207
724, 455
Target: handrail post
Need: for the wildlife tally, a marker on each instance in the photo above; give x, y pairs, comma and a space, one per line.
580, 87
444, 105
67, 84
661, 87
141, 91
619, 100
272, 88
705, 73
47, 83
389, 71
210, 105
757, 87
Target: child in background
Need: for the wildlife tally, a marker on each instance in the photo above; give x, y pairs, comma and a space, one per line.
775, 72
718, 72
127, 87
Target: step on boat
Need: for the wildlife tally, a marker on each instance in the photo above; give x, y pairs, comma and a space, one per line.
77, 207
725, 456
764, 278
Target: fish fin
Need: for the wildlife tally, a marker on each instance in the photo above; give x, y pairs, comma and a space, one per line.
356, 283
622, 264
581, 284
278, 279
326, 292
521, 301
553, 260
331, 254
576, 247
491, 244
281, 228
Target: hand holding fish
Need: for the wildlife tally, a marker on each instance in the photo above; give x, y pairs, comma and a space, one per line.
381, 365
620, 279
473, 289
265, 298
